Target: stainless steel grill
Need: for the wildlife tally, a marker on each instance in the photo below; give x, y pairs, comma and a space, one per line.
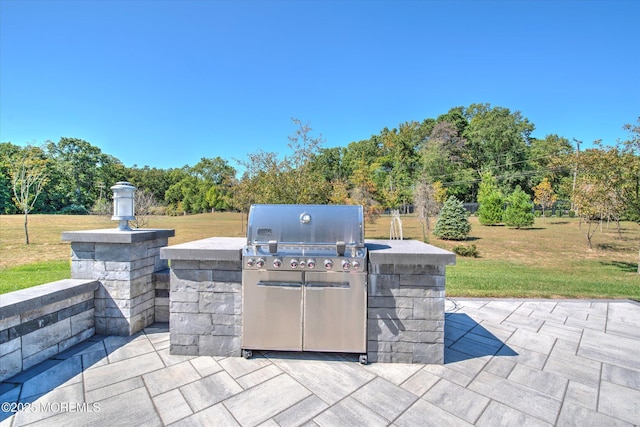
305, 279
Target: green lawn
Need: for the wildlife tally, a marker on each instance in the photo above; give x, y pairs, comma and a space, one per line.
579, 279
549, 260
24, 276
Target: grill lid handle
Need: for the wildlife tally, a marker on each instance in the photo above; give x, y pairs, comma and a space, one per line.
340, 247
273, 246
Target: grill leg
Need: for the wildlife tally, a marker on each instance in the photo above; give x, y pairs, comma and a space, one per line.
363, 359
247, 354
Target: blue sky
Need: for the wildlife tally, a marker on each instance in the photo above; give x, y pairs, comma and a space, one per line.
164, 83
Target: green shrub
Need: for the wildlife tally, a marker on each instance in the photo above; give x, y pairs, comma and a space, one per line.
468, 251
519, 206
491, 201
537, 213
572, 214
452, 223
548, 214
102, 207
491, 209
74, 210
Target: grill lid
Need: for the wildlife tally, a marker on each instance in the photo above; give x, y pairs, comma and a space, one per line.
306, 224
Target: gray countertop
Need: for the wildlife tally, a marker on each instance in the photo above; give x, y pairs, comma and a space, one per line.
380, 251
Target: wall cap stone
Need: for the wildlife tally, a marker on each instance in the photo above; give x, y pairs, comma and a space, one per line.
411, 252
113, 235
380, 251
211, 249
17, 302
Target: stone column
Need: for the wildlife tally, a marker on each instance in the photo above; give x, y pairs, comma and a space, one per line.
124, 262
406, 301
206, 297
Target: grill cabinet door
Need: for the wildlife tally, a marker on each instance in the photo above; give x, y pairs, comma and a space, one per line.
335, 312
272, 310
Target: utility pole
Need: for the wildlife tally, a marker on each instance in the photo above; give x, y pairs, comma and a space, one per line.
100, 185
575, 170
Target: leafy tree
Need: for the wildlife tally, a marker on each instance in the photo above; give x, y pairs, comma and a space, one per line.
548, 158
6, 205
79, 172
155, 180
330, 164
303, 184
260, 181
440, 193
28, 177
631, 152
497, 139
607, 174
367, 151
519, 209
206, 186
268, 179
491, 201
339, 192
588, 199
544, 196
363, 192
400, 162
455, 117
7, 152
442, 160
453, 222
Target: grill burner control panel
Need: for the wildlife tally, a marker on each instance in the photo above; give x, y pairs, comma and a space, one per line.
257, 258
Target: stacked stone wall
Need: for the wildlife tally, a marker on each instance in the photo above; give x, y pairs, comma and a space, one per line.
406, 313
37, 323
161, 281
206, 307
126, 300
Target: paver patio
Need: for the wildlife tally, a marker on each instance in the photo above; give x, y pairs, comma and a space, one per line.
507, 362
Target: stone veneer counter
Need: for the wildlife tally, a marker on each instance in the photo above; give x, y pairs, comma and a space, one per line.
406, 289
406, 301
211, 249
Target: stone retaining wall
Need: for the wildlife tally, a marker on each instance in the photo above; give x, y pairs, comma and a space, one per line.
38, 323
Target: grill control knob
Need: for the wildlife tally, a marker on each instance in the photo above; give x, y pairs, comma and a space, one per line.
328, 264
294, 263
277, 263
311, 263
251, 262
260, 263
356, 265
346, 265
303, 264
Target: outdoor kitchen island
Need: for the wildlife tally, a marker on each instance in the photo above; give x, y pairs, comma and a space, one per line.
405, 303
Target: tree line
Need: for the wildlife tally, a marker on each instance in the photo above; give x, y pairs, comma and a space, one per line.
462, 153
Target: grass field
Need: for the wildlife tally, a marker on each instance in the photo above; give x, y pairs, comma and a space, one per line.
551, 259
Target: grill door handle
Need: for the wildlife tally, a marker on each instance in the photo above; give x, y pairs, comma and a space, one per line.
281, 284
339, 285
